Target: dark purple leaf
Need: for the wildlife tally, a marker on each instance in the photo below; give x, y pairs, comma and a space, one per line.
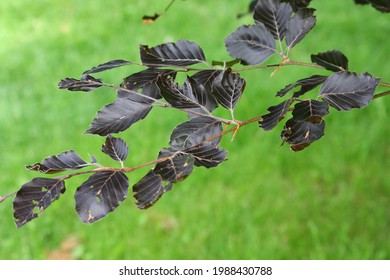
299, 25
148, 190
207, 154
116, 148
119, 116
86, 83
195, 132
331, 60
252, 44
68, 160
347, 90
107, 66
310, 110
145, 80
275, 115
228, 88
176, 168
274, 15
306, 85
187, 96
34, 197
100, 194
182, 53
300, 134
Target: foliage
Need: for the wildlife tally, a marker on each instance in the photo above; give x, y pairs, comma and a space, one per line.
278, 27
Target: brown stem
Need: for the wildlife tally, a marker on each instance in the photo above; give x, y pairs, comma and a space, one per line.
381, 94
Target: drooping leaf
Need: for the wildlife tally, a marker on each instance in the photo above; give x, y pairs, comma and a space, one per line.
306, 85
145, 80
195, 132
148, 190
107, 66
100, 194
252, 44
274, 15
176, 168
380, 5
299, 25
187, 96
116, 148
181, 53
300, 134
275, 115
228, 88
310, 110
34, 197
347, 90
332, 60
207, 154
119, 116
68, 160
86, 83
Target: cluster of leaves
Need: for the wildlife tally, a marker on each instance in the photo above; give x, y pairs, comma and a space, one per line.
381, 5
278, 27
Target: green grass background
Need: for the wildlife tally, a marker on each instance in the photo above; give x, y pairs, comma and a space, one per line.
331, 201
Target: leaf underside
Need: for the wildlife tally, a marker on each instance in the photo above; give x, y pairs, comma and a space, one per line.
310, 110
299, 25
252, 44
274, 15
100, 194
347, 90
86, 83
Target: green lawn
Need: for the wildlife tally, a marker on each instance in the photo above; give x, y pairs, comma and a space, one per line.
331, 201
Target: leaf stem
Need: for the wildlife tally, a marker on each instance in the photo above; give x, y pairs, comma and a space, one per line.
379, 95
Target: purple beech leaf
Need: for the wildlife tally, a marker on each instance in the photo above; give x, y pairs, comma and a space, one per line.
207, 154
347, 90
300, 134
310, 110
331, 60
252, 44
107, 66
181, 53
274, 15
306, 85
119, 116
149, 189
100, 194
34, 197
116, 148
176, 168
299, 25
228, 88
146, 81
68, 160
187, 96
86, 83
275, 115
195, 132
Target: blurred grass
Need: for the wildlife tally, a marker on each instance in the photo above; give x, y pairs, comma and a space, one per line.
331, 201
